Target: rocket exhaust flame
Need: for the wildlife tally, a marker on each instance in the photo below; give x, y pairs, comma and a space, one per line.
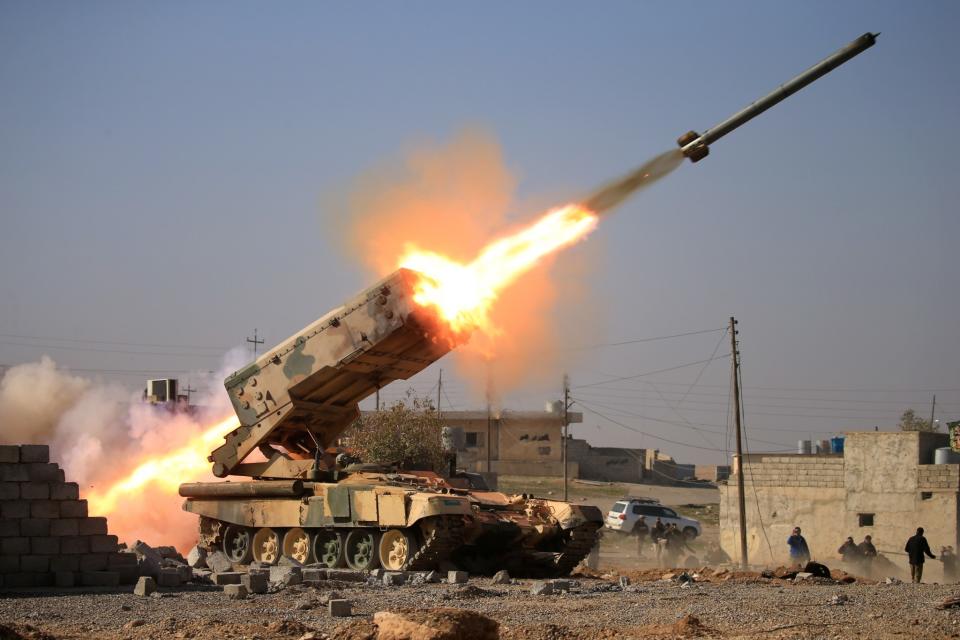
463, 294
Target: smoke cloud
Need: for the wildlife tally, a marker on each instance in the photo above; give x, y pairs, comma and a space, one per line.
99, 433
455, 198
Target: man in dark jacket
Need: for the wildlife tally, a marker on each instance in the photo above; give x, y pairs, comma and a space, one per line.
848, 551
916, 549
799, 551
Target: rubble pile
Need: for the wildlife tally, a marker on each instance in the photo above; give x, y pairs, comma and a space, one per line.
47, 538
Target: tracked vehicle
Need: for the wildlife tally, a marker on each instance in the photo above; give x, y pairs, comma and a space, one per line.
296, 400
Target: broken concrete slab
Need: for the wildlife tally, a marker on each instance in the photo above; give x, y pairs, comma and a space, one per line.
227, 577
169, 577
219, 562
541, 588
235, 591
145, 586
394, 578
286, 575
256, 582
197, 558
501, 577
457, 577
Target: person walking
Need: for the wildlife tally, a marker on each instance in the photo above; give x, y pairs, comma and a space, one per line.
642, 531
658, 537
799, 551
918, 550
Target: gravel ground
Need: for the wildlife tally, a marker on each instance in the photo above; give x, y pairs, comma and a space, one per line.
738, 608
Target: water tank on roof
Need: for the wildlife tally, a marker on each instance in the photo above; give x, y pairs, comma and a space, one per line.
804, 447
836, 444
823, 446
946, 455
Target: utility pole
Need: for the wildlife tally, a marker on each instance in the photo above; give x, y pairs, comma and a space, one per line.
439, 390
255, 342
489, 420
566, 426
188, 391
741, 496
933, 410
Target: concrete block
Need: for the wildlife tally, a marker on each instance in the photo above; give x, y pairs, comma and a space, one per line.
45, 545
346, 575
9, 453
73, 509
65, 563
15, 546
93, 562
12, 509
14, 473
64, 491
103, 544
457, 577
65, 527
43, 472
43, 508
286, 575
36, 564
219, 562
124, 559
340, 608
74, 544
256, 582
313, 574
99, 578
185, 572
235, 591
169, 577
227, 577
501, 577
9, 528
394, 578
145, 586
561, 585
197, 558
9, 490
64, 579
92, 526
35, 491
35, 527
541, 588
34, 453
23, 579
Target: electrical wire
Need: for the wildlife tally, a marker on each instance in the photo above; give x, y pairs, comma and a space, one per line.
641, 340
649, 373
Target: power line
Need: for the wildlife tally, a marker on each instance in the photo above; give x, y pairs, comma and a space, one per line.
641, 340
649, 373
124, 351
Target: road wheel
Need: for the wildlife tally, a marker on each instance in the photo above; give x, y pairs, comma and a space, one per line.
328, 549
236, 544
397, 547
689, 533
266, 546
361, 549
296, 544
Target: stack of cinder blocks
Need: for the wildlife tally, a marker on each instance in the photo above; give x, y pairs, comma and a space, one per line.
46, 535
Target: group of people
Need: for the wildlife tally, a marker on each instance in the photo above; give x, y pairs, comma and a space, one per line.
668, 541
862, 555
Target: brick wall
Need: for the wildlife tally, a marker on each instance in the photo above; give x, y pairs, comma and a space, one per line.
47, 538
794, 471
938, 476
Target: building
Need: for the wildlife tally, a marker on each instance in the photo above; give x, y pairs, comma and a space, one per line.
513, 442
884, 484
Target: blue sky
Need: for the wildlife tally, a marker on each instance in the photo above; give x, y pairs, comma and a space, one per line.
163, 168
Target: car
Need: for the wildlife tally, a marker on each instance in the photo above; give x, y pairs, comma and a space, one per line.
626, 512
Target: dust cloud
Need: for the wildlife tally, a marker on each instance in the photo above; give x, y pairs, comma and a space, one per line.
99, 432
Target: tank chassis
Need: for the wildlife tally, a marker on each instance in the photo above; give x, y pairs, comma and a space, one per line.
296, 400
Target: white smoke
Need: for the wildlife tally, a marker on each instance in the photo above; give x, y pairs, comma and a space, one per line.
98, 430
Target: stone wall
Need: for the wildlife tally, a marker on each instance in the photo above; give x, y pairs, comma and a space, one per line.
46, 535
938, 476
819, 470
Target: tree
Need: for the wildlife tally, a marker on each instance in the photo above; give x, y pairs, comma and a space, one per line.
909, 421
406, 434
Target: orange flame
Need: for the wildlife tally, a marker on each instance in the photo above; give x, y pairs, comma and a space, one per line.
463, 294
144, 502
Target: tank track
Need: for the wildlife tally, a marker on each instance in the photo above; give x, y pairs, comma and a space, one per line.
582, 539
439, 545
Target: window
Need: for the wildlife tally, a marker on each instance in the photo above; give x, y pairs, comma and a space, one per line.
926, 495
543, 451
619, 507
650, 511
865, 519
472, 437
637, 509
668, 513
